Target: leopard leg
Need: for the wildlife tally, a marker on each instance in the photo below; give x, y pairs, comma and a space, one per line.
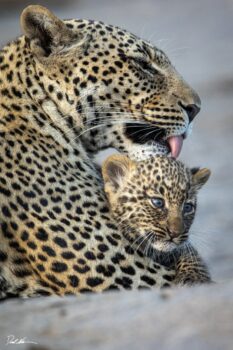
20, 280
190, 268
27, 287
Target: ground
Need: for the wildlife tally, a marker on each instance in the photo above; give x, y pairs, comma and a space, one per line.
137, 320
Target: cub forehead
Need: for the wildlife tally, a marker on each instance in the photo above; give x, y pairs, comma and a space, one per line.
164, 171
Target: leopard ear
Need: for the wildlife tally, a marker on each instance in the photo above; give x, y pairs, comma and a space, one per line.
115, 169
200, 177
44, 30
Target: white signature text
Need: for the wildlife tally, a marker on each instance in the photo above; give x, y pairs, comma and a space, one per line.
11, 339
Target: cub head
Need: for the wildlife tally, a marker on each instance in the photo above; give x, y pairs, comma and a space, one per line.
153, 201
114, 89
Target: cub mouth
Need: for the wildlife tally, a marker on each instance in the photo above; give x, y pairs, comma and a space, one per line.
142, 133
165, 247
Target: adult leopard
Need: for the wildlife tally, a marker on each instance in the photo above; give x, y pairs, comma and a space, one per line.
68, 89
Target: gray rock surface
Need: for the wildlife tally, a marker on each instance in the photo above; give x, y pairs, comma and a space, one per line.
197, 318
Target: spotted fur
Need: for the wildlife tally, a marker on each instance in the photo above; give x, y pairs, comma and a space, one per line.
68, 89
153, 203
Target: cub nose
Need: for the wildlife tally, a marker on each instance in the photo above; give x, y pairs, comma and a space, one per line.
175, 227
174, 233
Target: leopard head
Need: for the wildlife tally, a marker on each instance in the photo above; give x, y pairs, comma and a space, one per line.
115, 89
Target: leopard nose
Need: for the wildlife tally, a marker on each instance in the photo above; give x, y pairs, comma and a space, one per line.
192, 110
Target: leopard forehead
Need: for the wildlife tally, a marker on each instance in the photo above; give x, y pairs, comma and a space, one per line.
107, 35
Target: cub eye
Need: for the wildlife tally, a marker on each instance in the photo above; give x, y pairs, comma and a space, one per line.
158, 202
188, 208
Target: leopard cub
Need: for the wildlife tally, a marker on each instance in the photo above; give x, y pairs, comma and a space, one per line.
153, 203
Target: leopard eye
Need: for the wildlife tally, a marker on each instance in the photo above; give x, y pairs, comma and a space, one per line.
146, 66
158, 202
188, 208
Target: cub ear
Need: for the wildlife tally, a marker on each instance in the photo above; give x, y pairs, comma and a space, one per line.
44, 30
200, 177
114, 170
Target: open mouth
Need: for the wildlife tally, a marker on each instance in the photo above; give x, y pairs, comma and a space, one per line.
143, 133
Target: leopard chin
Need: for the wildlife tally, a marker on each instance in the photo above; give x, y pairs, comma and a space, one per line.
150, 149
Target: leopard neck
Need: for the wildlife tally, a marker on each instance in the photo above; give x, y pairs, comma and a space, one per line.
25, 87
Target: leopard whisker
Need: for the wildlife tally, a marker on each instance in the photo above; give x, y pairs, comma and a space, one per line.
143, 137
119, 122
148, 245
149, 126
140, 244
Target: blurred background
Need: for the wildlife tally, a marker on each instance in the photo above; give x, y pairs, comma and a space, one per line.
198, 38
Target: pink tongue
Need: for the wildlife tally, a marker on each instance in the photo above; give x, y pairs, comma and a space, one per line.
175, 143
